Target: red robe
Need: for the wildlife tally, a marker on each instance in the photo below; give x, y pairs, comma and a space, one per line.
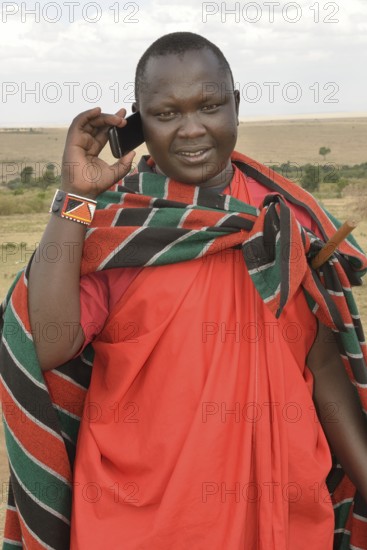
199, 429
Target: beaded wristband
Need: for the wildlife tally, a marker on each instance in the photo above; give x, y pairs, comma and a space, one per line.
73, 207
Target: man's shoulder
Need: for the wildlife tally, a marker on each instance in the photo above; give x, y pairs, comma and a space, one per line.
259, 190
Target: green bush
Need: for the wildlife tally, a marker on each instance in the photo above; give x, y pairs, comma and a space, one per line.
14, 184
311, 178
340, 185
330, 173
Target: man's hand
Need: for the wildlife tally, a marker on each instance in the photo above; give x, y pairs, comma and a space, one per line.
83, 172
339, 408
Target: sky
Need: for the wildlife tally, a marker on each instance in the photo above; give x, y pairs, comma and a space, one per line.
288, 58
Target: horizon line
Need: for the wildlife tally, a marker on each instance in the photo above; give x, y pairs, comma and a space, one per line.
255, 118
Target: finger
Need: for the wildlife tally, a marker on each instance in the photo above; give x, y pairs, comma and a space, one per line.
81, 126
107, 119
90, 128
86, 116
96, 139
94, 118
121, 113
99, 141
117, 119
97, 130
123, 165
101, 134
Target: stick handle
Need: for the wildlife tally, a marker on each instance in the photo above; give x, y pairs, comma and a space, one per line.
328, 249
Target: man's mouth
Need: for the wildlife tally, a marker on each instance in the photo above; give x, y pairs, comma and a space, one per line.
192, 153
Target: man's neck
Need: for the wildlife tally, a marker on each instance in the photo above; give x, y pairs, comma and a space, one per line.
219, 181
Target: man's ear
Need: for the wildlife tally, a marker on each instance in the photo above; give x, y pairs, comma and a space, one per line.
134, 107
237, 98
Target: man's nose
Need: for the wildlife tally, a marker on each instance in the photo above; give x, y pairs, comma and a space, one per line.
191, 127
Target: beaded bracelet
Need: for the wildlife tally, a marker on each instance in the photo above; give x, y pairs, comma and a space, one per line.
73, 207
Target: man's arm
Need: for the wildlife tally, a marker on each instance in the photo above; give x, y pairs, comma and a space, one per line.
53, 293
339, 408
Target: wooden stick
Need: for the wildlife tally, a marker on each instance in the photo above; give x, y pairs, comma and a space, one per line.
328, 249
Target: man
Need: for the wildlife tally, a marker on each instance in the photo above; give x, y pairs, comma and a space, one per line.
165, 458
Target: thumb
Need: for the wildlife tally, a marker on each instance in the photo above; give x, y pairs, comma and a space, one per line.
123, 165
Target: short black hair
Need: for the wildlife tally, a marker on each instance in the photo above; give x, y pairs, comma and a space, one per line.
177, 43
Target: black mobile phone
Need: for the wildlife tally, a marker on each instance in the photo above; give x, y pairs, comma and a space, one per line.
125, 139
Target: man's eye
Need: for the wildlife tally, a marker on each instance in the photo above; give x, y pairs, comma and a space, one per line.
212, 107
166, 115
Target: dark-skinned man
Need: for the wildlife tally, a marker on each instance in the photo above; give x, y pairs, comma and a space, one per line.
189, 468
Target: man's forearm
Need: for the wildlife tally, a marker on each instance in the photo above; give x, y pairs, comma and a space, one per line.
54, 302
339, 410
344, 425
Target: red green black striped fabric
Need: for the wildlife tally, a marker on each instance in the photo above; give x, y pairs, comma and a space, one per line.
151, 220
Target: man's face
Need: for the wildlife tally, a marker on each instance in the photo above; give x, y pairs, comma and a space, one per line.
189, 114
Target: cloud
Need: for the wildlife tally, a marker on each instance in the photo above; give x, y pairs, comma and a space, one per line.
310, 49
